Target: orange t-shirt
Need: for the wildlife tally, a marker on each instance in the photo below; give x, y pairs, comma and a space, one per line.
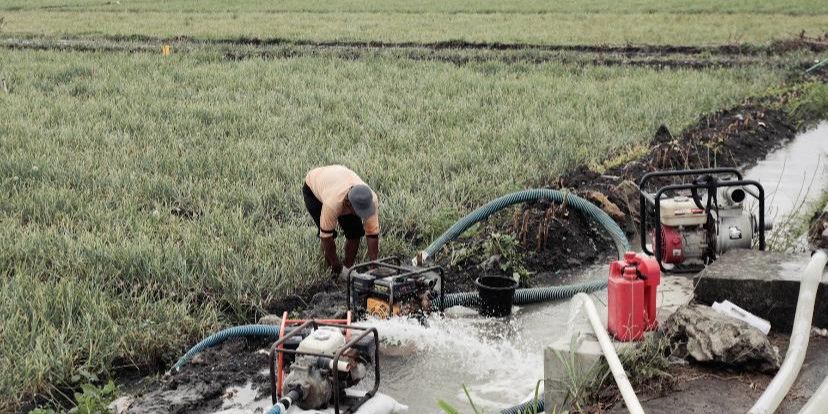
330, 185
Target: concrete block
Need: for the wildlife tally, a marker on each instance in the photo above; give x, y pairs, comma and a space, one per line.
573, 358
565, 362
763, 283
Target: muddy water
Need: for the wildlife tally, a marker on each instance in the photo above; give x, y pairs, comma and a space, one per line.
794, 175
499, 360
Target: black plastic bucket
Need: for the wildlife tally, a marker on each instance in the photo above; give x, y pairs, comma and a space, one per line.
496, 295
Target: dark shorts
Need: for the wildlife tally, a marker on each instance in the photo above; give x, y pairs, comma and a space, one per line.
351, 224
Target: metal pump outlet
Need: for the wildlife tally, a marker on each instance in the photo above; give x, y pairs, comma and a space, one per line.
316, 362
692, 223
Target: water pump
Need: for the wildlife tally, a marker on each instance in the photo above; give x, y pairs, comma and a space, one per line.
691, 224
386, 288
314, 364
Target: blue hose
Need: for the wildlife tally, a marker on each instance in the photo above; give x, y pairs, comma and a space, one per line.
275, 410
221, 336
538, 294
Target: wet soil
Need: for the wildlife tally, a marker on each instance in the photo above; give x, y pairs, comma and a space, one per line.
697, 388
551, 239
201, 386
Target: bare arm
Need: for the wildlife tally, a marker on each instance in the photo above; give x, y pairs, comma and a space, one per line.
373, 247
329, 247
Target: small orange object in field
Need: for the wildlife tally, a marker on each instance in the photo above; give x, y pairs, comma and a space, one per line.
165, 50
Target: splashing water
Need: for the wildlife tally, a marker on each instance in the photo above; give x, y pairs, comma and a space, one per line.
491, 357
499, 360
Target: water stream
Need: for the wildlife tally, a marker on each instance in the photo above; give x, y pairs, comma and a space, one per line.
794, 175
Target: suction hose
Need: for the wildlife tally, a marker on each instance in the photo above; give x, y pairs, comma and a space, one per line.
221, 336
539, 294
529, 407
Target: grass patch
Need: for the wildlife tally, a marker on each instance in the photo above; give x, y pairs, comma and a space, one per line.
593, 388
810, 105
442, 6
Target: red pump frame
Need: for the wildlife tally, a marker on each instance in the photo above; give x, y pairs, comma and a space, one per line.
296, 322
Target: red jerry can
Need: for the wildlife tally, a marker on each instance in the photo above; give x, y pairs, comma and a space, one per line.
633, 284
649, 270
626, 305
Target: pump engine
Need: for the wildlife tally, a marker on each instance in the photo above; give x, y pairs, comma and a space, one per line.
316, 362
693, 223
386, 288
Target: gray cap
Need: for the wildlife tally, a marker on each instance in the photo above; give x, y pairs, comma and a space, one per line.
362, 200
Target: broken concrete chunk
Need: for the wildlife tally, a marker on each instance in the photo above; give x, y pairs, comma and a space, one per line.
708, 336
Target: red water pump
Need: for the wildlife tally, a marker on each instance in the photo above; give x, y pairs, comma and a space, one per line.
691, 224
633, 283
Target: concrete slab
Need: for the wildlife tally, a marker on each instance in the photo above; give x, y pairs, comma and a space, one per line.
565, 363
673, 292
763, 283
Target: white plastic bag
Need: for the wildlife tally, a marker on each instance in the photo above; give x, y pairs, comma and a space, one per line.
728, 308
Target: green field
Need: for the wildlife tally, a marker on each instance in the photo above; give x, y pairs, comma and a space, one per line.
149, 200
531, 21
799, 7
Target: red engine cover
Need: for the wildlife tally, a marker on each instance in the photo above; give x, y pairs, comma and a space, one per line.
633, 287
672, 250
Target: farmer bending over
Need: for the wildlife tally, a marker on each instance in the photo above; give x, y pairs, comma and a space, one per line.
336, 194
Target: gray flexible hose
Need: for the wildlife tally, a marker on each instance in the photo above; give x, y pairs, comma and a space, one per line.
221, 336
529, 407
538, 294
